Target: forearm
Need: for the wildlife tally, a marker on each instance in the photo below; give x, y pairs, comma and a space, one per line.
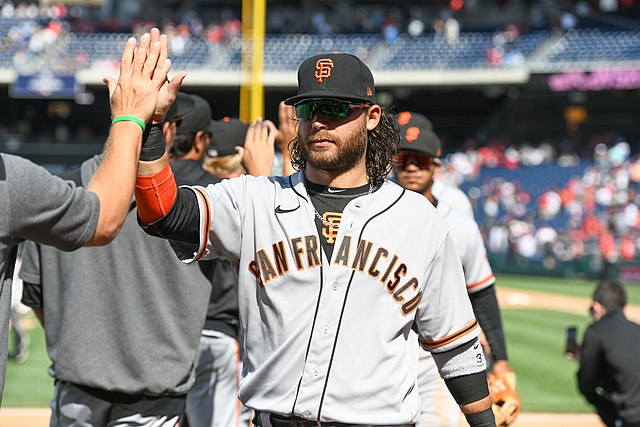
463, 371
485, 307
472, 395
153, 167
156, 190
114, 180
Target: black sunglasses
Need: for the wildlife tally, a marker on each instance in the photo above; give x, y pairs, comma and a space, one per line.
331, 109
406, 158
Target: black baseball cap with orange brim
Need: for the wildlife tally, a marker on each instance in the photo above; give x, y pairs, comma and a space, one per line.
340, 76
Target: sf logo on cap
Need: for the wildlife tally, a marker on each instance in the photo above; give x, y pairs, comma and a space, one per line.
412, 134
323, 69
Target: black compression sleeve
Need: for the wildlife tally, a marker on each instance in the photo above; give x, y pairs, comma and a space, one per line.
153, 146
481, 419
468, 388
182, 223
485, 306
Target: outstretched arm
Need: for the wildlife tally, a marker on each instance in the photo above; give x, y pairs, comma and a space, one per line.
143, 72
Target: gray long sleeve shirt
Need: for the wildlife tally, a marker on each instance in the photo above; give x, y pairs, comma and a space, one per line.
37, 206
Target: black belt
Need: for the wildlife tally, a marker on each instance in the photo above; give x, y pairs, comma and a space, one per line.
278, 420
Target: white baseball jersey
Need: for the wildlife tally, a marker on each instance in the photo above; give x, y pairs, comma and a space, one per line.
453, 196
469, 246
438, 406
328, 340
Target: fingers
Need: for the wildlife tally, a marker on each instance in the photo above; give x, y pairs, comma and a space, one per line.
111, 84
154, 52
140, 55
251, 132
177, 80
160, 74
127, 56
263, 130
272, 131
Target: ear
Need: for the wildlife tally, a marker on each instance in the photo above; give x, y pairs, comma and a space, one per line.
598, 310
200, 141
374, 115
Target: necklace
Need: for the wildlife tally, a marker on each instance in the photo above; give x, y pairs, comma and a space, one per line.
330, 224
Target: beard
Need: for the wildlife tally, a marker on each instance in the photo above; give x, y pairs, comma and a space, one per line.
350, 151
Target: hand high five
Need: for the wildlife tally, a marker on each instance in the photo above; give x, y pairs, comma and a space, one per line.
142, 89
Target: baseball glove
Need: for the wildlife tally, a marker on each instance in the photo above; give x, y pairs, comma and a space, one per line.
506, 402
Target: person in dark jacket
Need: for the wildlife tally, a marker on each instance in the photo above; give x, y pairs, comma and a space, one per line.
609, 375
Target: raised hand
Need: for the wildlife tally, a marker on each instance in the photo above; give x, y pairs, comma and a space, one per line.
287, 132
167, 96
143, 73
259, 147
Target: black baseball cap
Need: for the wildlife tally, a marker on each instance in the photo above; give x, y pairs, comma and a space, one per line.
416, 119
226, 134
417, 135
181, 106
336, 76
196, 119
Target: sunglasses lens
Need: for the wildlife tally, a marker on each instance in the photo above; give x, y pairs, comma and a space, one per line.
335, 110
306, 110
404, 160
330, 109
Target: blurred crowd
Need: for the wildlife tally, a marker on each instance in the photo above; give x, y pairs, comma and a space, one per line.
592, 216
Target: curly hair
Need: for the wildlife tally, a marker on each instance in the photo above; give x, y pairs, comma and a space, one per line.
382, 146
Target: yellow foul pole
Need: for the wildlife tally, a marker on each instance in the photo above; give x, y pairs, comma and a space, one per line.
253, 29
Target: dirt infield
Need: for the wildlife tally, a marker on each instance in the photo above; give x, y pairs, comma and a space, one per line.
511, 298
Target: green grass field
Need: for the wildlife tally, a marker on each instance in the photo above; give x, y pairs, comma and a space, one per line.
535, 339
558, 285
535, 342
29, 384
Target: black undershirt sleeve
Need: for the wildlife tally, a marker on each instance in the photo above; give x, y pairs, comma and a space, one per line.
471, 388
468, 388
182, 223
485, 306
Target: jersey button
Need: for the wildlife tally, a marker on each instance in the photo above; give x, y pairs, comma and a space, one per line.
325, 330
306, 414
335, 286
316, 372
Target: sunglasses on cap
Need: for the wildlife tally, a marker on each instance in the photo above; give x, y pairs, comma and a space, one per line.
406, 158
331, 109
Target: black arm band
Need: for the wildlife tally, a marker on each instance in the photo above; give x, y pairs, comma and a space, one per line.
468, 388
485, 306
481, 419
153, 146
182, 222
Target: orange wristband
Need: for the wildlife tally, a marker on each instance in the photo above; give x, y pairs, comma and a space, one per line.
155, 195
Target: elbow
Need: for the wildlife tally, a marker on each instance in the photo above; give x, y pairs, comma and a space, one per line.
104, 234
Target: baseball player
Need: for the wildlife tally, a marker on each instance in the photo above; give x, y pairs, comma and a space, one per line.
122, 334
46, 209
328, 292
443, 191
417, 163
213, 398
